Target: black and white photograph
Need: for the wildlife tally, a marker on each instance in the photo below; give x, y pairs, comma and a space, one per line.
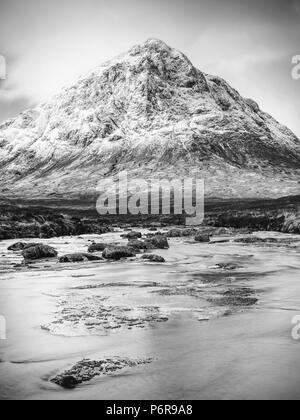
149, 202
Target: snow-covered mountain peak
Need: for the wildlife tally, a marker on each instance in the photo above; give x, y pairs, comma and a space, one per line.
150, 111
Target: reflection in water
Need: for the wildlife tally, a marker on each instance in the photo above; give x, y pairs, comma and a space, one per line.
215, 319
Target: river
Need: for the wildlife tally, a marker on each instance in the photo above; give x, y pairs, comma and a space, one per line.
181, 314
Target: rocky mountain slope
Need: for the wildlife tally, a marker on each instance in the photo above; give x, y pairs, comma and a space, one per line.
152, 113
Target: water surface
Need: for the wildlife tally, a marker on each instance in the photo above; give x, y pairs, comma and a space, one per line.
58, 314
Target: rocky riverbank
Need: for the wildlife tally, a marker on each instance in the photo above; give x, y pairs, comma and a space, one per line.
31, 221
66, 218
281, 215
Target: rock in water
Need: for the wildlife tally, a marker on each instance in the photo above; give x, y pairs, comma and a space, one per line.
118, 252
179, 233
132, 235
40, 251
20, 246
99, 247
68, 382
79, 257
137, 245
200, 237
86, 370
153, 258
190, 123
158, 242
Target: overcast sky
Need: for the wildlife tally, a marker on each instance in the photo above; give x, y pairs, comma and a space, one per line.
49, 43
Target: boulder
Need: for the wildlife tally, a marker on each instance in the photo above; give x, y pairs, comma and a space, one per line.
132, 235
153, 258
158, 242
68, 382
137, 245
178, 233
79, 257
20, 246
202, 237
87, 369
118, 252
39, 251
174, 233
99, 247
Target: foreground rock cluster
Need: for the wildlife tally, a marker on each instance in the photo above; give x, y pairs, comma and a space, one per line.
109, 251
145, 244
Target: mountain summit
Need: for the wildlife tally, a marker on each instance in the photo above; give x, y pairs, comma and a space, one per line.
150, 112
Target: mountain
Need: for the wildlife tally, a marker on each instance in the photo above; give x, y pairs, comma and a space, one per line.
150, 112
